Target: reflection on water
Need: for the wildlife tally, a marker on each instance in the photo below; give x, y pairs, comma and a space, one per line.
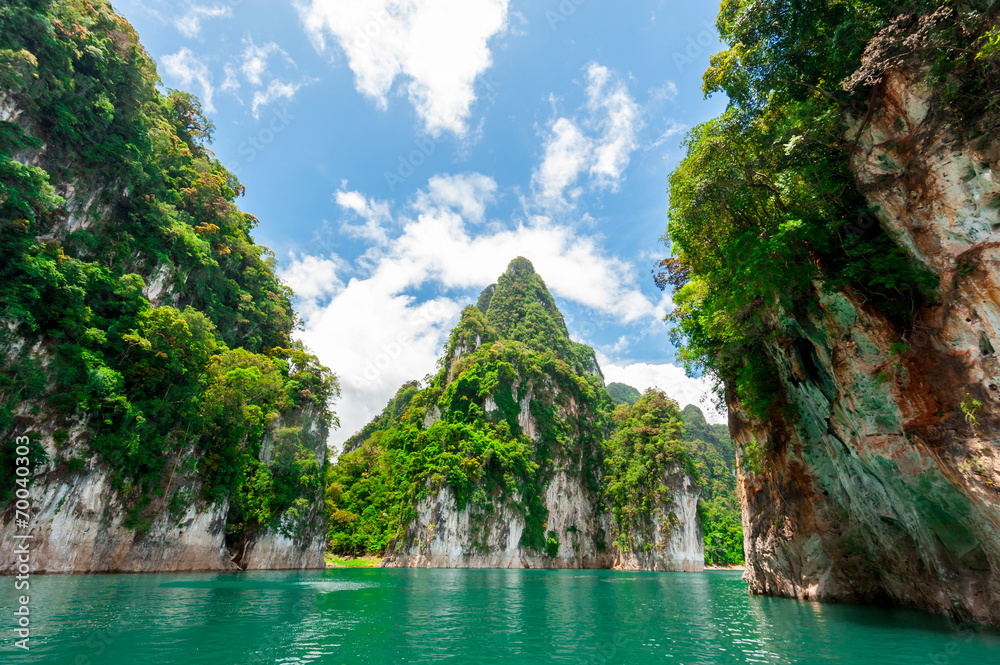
465, 616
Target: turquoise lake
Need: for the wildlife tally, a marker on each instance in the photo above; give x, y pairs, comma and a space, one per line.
464, 616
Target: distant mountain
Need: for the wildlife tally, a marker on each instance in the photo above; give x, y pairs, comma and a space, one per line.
623, 394
715, 460
505, 459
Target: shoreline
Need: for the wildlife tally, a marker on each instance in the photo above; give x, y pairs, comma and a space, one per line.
733, 567
337, 561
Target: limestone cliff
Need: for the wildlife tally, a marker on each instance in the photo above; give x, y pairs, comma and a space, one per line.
500, 462
83, 522
145, 348
674, 543
881, 480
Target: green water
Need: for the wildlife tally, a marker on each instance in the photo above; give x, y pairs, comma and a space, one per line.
463, 616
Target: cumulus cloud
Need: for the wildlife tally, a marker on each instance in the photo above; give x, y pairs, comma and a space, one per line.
376, 215
187, 69
189, 24
616, 117
599, 143
567, 153
467, 193
439, 244
671, 379
255, 59
313, 278
438, 47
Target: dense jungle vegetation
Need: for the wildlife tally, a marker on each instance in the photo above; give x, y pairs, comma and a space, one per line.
107, 186
763, 204
652, 435
462, 432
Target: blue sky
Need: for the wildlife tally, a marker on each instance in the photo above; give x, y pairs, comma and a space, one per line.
400, 152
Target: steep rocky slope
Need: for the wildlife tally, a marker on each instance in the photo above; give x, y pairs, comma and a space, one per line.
145, 340
501, 460
835, 265
885, 485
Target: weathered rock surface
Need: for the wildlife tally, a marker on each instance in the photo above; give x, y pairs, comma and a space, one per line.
882, 481
445, 535
676, 543
78, 525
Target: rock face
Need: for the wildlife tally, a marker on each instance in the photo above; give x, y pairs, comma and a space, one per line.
79, 525
560, 413
882, 481
444, 536
676, 543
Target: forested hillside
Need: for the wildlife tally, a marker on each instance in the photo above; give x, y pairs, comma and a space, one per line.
719, 507
144, 333
468, 432
708, 451
517, 426
623, 394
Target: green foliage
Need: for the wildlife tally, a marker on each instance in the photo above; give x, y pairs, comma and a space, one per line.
711, 449
752, 459
462, 431
764, 204
642, 462
214, 369
552, 545
521, 308
970, 406
37, 458
390, 416
623, 394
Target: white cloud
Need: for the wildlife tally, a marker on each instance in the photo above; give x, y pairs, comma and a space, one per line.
609, 101
254, 65
376, 336
185, 67
600, 143
376, 215
567, 153
468, 194
439, 47
255, 60
663, 93
190, 23
671, 379
313, 278
275, 90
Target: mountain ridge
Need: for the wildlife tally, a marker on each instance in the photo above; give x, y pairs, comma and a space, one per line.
500, 460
